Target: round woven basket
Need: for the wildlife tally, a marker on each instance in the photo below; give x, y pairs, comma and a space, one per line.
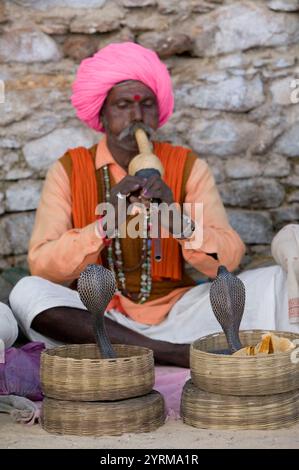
142, 414
77, 372
233, 375
210, 410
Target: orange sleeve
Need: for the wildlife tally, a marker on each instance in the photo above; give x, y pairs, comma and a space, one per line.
217, 236
57, 251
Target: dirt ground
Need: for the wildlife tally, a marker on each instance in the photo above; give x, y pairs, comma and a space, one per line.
174, 434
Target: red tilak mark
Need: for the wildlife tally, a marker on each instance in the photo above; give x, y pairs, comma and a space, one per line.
137, 97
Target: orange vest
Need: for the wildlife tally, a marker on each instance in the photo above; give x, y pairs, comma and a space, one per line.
87, 191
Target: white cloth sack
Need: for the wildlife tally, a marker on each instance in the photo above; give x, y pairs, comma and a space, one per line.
285, 251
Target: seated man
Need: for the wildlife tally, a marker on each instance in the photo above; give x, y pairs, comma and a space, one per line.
8, 328
156, 304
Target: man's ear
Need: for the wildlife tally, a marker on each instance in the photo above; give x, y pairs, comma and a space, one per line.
103, 120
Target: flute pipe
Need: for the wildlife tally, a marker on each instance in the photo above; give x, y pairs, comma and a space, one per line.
146, 159
157, 249
142, 141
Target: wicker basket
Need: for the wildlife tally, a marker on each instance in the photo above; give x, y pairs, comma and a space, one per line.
76, 372
209, 410
233, 375
142, 414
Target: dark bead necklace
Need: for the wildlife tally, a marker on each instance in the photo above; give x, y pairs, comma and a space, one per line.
115, 259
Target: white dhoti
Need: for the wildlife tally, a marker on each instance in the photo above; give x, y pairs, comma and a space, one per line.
190, 318
8, 327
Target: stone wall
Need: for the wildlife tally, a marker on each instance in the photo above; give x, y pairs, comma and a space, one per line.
232, 62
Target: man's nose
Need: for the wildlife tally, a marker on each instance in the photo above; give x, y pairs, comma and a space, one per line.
136, 114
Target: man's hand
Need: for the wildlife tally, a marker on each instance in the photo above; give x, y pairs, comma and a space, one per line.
141, 191
129, 185
156, 188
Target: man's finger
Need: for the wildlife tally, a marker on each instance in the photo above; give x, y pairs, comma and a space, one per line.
154, 190
133, 199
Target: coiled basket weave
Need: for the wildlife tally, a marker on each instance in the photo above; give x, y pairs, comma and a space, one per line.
211, 410
237, 392
77, 372
142, 414
88, 395
237, 375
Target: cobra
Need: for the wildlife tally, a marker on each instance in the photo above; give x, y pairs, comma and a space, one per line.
96, 287
227, 296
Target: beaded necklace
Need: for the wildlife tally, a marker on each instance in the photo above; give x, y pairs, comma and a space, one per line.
116, 262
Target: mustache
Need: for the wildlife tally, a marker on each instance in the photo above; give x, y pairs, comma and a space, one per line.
130, 131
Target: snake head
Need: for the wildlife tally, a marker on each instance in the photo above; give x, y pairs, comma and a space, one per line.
96, 287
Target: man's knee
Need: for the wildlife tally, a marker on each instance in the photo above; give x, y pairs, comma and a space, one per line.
26, 287
8, 326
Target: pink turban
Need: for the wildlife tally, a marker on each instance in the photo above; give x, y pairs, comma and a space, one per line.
113, 64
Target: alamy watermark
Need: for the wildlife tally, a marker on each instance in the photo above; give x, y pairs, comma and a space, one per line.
295, 93
165, 221
2, 91
295, 352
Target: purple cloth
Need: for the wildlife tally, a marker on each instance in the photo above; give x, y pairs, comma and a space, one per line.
19, 375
